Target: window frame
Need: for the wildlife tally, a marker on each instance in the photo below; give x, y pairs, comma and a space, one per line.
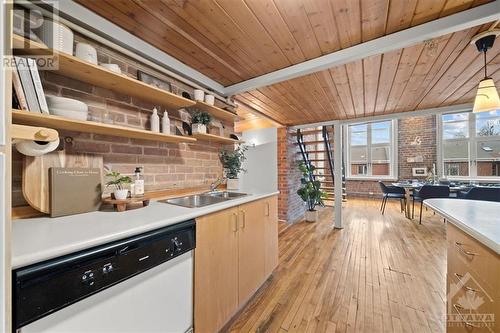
393, 148
472, 141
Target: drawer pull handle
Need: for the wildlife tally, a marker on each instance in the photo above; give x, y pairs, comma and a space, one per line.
464, 251
459, 277
235, 222
244, 219
267, 209
458, 308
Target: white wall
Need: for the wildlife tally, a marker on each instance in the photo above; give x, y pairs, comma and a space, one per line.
262, 161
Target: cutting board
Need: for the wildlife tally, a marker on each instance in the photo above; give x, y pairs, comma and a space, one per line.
74, 190
36, 174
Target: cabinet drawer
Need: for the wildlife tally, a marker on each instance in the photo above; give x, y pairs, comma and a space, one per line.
468, 255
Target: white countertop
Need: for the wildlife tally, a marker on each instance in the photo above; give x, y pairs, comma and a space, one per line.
38, 239
479, 219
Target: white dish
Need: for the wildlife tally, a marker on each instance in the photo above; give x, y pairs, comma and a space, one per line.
71, 114
56, 35
112, 67
58, 102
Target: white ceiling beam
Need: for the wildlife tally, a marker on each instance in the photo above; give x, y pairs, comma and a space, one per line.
398, 115
133, 43
460, 21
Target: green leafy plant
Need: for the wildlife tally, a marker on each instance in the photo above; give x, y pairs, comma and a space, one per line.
310, 191
232, 161
117, 180
201, 118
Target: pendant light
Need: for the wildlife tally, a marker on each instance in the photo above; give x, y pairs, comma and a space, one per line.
487, 96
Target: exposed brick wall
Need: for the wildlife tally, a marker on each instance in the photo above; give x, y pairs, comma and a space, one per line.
166, 166
290, 207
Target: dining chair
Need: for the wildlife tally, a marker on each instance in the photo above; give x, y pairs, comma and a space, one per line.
428, 192
483, 193
392, 192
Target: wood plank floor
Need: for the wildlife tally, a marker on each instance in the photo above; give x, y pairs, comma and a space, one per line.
378, 274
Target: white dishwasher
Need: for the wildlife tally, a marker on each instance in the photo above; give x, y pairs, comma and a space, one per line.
141, 284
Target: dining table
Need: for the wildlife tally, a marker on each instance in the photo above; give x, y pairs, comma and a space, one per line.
411, 186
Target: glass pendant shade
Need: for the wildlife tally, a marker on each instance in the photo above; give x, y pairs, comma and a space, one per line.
486, 96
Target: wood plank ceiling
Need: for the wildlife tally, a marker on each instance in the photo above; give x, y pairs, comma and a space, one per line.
234, 40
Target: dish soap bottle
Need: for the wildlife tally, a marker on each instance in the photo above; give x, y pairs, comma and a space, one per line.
165, 123
138, 182
155, 121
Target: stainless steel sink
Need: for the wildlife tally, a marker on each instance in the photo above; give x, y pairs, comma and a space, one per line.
204, 199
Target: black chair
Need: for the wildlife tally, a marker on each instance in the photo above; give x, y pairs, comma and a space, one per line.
428, 192
392, 192
483, 193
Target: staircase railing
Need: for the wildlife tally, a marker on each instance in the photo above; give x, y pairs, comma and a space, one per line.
305, 155
328, 148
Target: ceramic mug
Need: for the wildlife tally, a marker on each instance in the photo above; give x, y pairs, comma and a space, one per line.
199, 95
210, 99
86, 52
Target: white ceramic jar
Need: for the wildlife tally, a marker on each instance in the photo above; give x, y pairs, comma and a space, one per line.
199, 95
86, 52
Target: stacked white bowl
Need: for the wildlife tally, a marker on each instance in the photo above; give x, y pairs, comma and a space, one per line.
67, 107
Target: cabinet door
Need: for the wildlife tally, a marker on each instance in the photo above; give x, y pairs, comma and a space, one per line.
216, 270
251, 248
271, 237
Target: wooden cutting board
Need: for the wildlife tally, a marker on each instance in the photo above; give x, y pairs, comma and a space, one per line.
36, 174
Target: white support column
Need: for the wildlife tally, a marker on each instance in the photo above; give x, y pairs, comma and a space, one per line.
337, 158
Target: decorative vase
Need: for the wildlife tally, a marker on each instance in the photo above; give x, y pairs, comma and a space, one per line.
233, 184
311, 215
120, 194
199, 95
199, 128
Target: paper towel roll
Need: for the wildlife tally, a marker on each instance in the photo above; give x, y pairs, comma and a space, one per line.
36, 148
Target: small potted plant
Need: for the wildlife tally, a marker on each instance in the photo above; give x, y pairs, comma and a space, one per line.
310, 191
118, 182
200, 121
232, 162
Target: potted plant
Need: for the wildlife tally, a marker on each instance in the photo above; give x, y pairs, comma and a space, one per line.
310, 191
232, 162
119, 182
200, 121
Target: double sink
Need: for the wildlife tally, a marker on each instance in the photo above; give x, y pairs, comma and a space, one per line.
204, 199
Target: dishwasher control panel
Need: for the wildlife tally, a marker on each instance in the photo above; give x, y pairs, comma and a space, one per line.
43, 288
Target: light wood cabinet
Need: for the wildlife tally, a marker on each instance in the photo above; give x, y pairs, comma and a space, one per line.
216, 270
236, 251
271, 234
472, 286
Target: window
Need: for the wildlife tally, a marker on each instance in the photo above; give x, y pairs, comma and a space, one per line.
470, 145
370, 150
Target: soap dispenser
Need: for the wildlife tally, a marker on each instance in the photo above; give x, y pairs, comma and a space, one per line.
165, 123
138, 182
155, 121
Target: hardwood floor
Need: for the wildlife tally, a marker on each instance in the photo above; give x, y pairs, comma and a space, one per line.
378, 274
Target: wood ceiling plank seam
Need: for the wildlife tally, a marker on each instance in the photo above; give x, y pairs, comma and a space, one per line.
341, 81
449, 61
344, 22
453, 6
320, 16
341, 102
109, 12
400, 15
297, 88
294, 16
472, 80
276, 113
452, 73
371, 74
277, 33
259, 115
273, 93
272, 101
257, 37
188, 35
471, 94
321, 97
329, 89
355, 74
430, 10
390, 63
212, 32
289, 94
256, 104
131, 10
406, 71
371, 11
416, 83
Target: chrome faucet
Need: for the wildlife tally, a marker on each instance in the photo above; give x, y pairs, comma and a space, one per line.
216, 183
